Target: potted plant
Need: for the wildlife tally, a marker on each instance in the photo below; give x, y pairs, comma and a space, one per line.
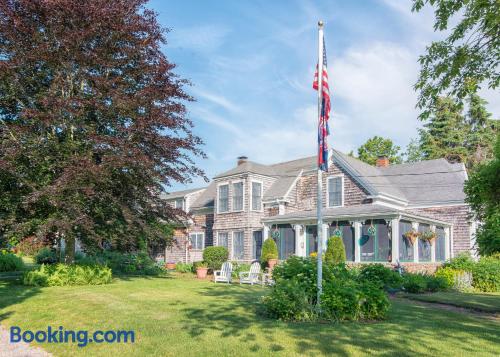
411, 236
170, 265
269, 253
428, 236
201, 270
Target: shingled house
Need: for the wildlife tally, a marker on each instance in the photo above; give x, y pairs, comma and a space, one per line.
372, 207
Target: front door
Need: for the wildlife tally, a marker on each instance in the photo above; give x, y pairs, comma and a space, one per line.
257, 244
311, 239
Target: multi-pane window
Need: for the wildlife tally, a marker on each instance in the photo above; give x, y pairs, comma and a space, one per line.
197, 240
375, 241
238, 196
440, 244
179, 203
238, 239
405, 244
334, 191
424, 246
222, 239
256, 196
223, 198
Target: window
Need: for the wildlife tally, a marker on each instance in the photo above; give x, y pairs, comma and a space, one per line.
238, 196
238, 240
335, 191
285, 241
375, 247
197, 240
424, 246
223, 198
256, 196
405, 245
179, 203
440, 244
222, 240
257, 244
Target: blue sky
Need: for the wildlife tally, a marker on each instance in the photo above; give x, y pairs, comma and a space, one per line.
251, 64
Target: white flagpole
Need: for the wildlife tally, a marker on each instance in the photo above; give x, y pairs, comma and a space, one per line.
319, 203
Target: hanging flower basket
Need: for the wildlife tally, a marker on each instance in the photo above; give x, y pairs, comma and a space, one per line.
428, 236
411, 236
371, 231
337, 233
275, 234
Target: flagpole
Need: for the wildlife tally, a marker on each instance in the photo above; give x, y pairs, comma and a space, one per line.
319, 203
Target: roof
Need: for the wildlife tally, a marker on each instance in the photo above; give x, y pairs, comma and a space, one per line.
179, 194
207, 197
372, 211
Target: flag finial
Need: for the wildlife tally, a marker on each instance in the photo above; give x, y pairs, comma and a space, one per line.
320, 23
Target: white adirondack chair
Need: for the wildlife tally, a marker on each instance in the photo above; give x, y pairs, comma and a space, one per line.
224, 274
254, 276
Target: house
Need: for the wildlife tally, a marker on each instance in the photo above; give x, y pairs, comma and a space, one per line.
371, 207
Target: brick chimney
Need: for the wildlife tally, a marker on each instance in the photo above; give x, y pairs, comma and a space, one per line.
382, 161
242, 160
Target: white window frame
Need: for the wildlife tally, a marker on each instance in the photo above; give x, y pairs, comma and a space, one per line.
328, 190
261, 195
228, 238
228, 198
182, 203
233, 245
242, 196
202, 242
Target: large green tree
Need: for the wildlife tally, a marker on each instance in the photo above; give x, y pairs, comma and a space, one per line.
467, 58
483, 195
93, 122
379, 146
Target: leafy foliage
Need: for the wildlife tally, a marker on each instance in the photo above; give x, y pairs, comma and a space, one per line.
124, 263
483, 195
380, 276
10, 262
486, 275
462, 261
335, 251
31, 245
63, 275
420, 283
184, 267
46, 256
215, 256
93, 123
269, 250
238, 268
294, 295
466, 58
379, 146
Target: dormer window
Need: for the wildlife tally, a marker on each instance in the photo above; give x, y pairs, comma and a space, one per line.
223, 202
335, 189
238, 196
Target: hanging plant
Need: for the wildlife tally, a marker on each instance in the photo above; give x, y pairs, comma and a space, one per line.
371, 230
337, 232
275, 234
428, 236
411, 236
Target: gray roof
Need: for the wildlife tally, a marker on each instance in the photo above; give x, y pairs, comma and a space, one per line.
249, 166
207, 197
179, 194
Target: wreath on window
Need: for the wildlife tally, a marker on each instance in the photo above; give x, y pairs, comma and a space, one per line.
371, 230
275, 233
337, 232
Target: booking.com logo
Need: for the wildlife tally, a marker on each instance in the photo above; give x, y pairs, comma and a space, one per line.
61, 335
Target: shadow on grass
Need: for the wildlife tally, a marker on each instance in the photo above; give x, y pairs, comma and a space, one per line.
236, 312
12, 292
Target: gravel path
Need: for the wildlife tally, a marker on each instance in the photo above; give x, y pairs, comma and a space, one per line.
19, 349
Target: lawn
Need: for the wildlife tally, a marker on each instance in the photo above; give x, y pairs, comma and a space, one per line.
180, 316
488, 302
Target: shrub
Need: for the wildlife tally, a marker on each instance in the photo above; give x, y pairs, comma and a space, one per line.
46, 256
31, 245
269, 250
238, 268
215, 257
335, 251
289, 301
381, 276
486, 275
62, 275
10, 262
184, 267
124, 263
414, 283
462, 261
436, 283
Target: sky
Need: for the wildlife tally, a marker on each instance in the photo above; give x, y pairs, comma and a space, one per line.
251, 65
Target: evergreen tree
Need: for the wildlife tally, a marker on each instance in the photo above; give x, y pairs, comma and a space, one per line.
379, 146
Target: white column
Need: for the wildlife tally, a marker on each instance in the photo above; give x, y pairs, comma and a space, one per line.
447, 244
325, 236
299, 240
265, 232
414, 226
433, 245
357, 238
281, 209
395, 240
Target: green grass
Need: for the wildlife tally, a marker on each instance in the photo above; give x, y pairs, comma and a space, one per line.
181, 316
487, 302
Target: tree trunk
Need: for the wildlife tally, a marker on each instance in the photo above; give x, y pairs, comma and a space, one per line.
69, 250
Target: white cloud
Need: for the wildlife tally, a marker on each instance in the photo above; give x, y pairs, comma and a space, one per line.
219, 100
199, 38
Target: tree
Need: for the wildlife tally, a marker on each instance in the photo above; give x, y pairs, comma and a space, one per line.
378, 146
93, 123
444, 134
413, 151
467, 58
335, 250
483, 195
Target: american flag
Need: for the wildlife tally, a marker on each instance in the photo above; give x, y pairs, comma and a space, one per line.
323, 130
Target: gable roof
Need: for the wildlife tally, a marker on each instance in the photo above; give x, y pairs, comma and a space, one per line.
179, 194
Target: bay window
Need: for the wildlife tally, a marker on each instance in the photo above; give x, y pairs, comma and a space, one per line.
223, 204
256, 196
238, 196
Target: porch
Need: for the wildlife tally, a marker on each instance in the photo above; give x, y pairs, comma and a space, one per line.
371, 233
